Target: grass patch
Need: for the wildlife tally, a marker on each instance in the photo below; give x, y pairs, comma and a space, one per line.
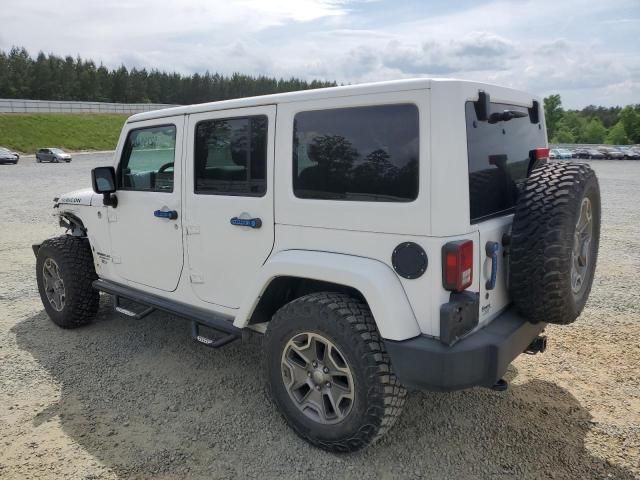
71, 131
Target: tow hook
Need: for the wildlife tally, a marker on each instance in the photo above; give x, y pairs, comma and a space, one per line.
538, 345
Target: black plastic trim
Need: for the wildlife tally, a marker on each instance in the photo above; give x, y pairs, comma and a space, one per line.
220, 322
458, 316
409, 260
480, 359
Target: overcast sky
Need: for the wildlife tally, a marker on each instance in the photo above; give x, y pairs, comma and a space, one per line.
588, 51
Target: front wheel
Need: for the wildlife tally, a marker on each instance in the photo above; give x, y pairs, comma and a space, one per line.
65, 273
329, 373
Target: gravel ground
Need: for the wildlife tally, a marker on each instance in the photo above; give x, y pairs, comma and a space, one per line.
138, 399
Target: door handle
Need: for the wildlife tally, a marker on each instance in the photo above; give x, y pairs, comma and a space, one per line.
170, 214
246, 222
491, 249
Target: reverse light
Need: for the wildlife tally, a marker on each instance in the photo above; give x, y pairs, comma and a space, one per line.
457, 265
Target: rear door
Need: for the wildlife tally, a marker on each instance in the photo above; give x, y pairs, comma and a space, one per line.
229, 200
500, 159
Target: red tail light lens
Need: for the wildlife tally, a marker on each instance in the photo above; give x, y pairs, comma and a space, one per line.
457, 265
541, 153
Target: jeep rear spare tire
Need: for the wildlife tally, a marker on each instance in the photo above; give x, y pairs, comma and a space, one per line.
554, 244
65, 273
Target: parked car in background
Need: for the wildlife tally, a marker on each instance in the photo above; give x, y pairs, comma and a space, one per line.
54, 155
630, 153
581, 153
611, 153
594, 154
7, 156
560, 153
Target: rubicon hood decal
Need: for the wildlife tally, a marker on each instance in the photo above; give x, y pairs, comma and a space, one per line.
77, 197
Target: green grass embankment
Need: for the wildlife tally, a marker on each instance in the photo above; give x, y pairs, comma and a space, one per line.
71, 131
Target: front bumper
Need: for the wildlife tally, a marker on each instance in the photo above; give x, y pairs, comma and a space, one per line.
480, 359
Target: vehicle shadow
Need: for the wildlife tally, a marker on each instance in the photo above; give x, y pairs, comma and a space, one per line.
146, 401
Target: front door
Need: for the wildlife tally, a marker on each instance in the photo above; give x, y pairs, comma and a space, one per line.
146, 226
229, 200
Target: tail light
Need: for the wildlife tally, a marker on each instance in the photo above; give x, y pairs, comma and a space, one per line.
457, 265
540, 153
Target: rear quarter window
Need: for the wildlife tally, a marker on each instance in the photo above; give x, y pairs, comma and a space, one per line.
499, 159
357, 154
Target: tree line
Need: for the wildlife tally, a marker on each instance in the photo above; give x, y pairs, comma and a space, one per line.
612, 125
50, 77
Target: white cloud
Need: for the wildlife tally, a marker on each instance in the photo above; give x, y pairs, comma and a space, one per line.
537, 45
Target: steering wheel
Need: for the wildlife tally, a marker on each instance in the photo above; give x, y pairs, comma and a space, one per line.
164, 167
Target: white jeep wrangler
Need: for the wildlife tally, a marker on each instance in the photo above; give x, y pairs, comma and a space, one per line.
405, 234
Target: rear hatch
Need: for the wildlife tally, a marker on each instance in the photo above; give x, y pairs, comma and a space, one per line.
501, 143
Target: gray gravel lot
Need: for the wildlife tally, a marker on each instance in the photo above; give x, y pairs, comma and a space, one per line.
138, 399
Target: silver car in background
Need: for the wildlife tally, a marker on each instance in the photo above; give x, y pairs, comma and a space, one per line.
8, 156
54, 155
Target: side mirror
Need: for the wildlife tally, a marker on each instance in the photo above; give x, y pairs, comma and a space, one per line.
103, 180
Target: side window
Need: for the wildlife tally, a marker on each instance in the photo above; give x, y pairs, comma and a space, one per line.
147, 159
361, 154
231, 156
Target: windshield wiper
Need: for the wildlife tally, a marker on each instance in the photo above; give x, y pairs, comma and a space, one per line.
506, 115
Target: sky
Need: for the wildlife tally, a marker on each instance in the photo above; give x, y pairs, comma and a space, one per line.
587, 51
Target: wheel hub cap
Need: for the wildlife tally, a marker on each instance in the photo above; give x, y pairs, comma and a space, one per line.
53, 284
581, 246
317, 378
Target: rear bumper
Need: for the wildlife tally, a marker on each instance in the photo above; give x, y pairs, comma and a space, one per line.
480, 359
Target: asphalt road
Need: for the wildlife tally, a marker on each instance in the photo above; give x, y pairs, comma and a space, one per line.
139, 399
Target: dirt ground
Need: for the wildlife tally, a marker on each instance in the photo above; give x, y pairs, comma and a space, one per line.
139, 399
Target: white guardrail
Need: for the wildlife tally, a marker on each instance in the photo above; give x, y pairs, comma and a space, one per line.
55, 106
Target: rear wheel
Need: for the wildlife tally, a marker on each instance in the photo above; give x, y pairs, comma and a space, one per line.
65, 272
329, 373
554, 247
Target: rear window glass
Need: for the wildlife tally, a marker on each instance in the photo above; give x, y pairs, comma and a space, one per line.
231, 156
359, 154
498, 159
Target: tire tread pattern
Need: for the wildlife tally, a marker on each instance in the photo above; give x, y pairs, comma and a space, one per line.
73, 254
542, 242
386, 394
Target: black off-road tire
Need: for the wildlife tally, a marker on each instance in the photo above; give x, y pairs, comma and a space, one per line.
543, 239
348, 323
72, 255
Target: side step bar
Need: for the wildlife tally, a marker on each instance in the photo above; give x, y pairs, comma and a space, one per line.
129, 313
198, 316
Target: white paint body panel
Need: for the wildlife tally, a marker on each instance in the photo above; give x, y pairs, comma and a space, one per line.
349, 243
374, 279
222, 257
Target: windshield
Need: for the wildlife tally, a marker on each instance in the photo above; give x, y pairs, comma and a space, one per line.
499, 159
56, 150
